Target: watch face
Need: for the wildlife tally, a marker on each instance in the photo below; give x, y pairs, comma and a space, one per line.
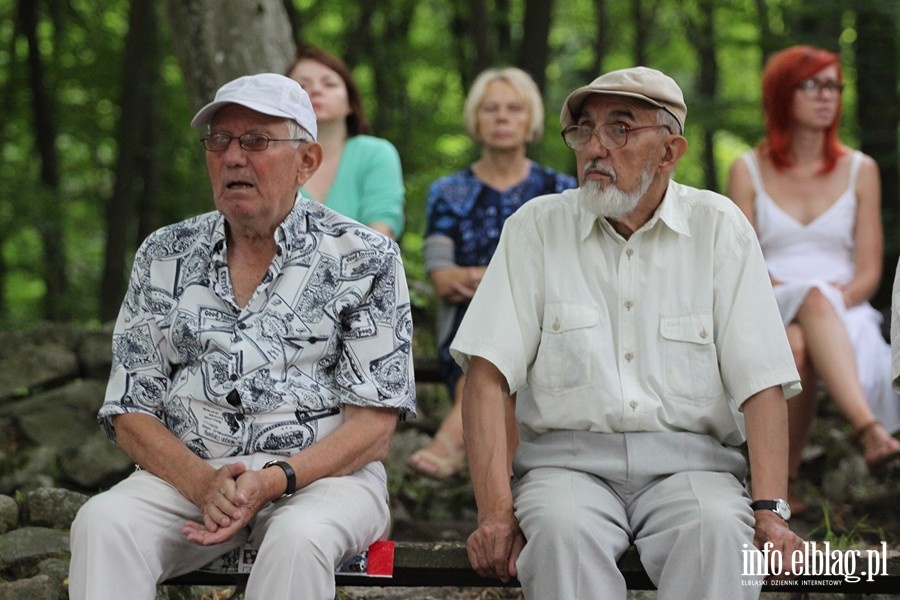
783, 509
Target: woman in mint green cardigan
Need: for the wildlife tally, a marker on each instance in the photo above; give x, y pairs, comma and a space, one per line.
360, 176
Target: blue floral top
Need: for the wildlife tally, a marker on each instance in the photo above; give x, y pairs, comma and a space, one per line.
471, 214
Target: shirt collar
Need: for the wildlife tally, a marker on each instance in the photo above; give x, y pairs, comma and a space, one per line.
294, 225
671, 211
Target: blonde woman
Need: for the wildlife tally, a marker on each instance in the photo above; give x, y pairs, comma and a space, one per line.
466, 210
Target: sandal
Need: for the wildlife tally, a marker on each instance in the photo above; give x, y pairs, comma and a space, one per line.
427, 463
882, 458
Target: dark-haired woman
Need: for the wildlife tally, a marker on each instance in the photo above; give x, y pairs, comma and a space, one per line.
360, 176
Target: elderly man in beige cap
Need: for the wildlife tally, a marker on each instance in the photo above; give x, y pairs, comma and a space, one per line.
634, 321
260, 361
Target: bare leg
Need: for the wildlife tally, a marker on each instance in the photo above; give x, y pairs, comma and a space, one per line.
832, 357
444, 456
448, 442
802, 410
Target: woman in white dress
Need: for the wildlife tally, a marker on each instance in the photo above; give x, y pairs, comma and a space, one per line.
816, 206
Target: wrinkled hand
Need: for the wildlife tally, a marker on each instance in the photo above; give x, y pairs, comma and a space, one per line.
495, 546
468, 287
246, 494
219, 501
770, 528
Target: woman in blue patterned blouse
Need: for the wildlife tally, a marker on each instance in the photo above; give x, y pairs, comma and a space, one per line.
465, 212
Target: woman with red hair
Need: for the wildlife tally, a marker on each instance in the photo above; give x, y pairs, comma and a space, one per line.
816, 207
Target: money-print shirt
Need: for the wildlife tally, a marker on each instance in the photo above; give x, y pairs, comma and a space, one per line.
328, 325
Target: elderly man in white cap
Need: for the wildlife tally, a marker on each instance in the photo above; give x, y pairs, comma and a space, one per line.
261, 359
634, 320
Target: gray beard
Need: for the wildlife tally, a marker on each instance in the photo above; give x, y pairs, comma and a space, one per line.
609, 201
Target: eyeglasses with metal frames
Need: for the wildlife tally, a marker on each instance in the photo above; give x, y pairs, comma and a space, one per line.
813, 87
612, 135
251, 142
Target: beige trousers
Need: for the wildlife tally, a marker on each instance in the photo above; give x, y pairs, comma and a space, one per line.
582, 498
128, 539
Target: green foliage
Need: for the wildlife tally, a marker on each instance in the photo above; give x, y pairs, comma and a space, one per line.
412, 64
858, 535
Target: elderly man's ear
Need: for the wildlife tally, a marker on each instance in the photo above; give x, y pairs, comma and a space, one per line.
676, 146
310, 160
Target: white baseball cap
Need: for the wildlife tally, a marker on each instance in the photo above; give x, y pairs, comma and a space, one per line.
267, 93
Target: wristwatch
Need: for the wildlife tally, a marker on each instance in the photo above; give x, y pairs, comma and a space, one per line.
778, 506
288, 472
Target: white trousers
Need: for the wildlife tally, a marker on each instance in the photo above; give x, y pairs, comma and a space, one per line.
128, 539
691, 527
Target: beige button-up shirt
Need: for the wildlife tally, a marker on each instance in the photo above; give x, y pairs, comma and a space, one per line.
670, 330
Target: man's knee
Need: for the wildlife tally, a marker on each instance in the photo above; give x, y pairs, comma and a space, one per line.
101, 513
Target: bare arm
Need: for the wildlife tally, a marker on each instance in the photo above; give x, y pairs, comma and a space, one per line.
868, 236
742, 193
495, 545
765, 415
740, 189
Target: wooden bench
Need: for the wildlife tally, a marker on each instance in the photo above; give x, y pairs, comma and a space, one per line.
445, 564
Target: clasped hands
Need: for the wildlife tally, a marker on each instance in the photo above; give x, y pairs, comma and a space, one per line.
228, 498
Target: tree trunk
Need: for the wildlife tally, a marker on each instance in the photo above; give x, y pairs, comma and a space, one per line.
483, 35
534, 51
216, 41
878, 115
601, 44
703, 34
51, 215
137, 170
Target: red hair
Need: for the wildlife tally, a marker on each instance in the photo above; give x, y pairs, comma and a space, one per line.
783, 72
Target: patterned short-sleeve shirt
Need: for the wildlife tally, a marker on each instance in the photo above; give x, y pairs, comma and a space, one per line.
328, 325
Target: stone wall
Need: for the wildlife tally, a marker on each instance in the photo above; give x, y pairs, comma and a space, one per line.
52, 453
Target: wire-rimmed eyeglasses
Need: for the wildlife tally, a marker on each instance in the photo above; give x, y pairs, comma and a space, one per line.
612, 135
813, 87
252, 142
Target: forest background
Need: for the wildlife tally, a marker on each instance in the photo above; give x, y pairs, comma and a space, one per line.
97, 95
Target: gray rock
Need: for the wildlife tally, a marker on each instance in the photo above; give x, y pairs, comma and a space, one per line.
32, 365
39, 587
74, 415
95, 354
56, 569
51, 507
97, 463
36, 470
22, 549
9, 514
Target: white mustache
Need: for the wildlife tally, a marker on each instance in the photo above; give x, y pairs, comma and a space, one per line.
596, 167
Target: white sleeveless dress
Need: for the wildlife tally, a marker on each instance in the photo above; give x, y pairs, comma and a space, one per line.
805, 256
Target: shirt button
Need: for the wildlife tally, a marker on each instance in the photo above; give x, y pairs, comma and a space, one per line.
629, 356
629, 252
633, 404
629, 304
703, 333
242, 326
234, 377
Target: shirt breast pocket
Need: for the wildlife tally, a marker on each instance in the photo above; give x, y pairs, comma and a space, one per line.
690, 360
568, 340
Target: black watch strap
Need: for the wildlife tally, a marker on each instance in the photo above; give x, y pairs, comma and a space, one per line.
288, 472
777, 506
